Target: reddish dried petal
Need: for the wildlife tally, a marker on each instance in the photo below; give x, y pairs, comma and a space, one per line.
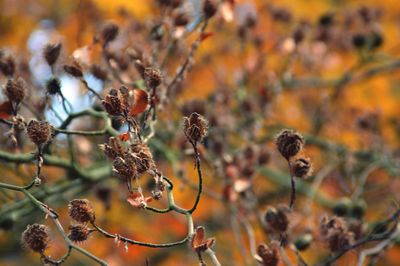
141, 102
206, 35
124, 136
6, 110
199, 237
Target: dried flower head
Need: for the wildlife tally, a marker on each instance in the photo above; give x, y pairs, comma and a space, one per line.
152, 76
74, 71
109, 32
335, 232
40, 132
113, 149
15, 90
267, 256
36, 237
112, 103
195, 127
81, 210
125, 168
277, 219
289, 143
78, 232
301, 167
209, 8
7, 65
53, 86
52, 52
142, 156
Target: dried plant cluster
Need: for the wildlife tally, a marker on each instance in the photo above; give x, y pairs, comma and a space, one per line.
148, 130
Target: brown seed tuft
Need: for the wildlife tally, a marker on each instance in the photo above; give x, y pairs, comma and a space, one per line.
15, 90
51, 53
36, 237
142, 156
277, 219
289, 143
78, 232
109, 32
7, 65
267, 256
195, 127
81, 210
301, 167
40, 132
152, 76
113, 104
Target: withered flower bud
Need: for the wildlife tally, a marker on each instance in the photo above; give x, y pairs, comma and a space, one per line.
112, 103
277, 219
209, 8
301, 167
109, 32
99, 72
15, 90
36, 237
125, 169
152, 77
142, 156
73, 71
181, 20
51, 53
335, 232
78, 232
40, 132
81, 211
53, 86
289, 143
195, 127
7, 65
267, 256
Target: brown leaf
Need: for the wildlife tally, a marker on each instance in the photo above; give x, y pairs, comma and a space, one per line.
199, 237
141, 102
6, 110
124, 136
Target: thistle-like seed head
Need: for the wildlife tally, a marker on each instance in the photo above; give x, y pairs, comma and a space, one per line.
40, 132
36, 237
289, 143
81, 210
78, 232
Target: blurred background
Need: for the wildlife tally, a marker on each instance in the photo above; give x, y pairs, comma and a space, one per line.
327, 68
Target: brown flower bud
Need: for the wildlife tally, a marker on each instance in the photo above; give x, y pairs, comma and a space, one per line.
99, 72
277, 219
36, 237
109, 32
195, 127
289, 143
267, 256
142, 156
7, 65
209, 8
15, 90
40, 132
53, 86
78, 232
73, 71
81, 211
152, 77
301, 167
51, 53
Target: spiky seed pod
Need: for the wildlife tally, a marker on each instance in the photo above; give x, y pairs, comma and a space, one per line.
289, 143
112, 103
78, 232
152, 77
40, 132
99, 72
7, 65
73, 71
209, 8
15, 90
51, 53
81, 211
109, 32
142, 156
301, 167
125, 169
53, 86
267, 256
277, 219
195, 127
36, 237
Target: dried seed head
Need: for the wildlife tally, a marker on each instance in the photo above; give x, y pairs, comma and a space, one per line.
181, 20
289, 143
78, 232
125, 168
152, 76
335, 232
99, 72
301, 167
142, 157
195, 127
209, 8
112, 103
15, 90
74, 71
51, 53
277, 219
7, 65
81, 211
267, 256
36, 237
40, 132
109, 32
53, 86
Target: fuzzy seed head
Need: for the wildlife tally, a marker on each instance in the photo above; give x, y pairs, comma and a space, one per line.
7, 65
15, 90
78, 233
40, 132
142, 157
51, 53
277, 219
289, 143
81, 210
267, 256
152, 77
36, 237
301, 167
53, 86
195, 127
